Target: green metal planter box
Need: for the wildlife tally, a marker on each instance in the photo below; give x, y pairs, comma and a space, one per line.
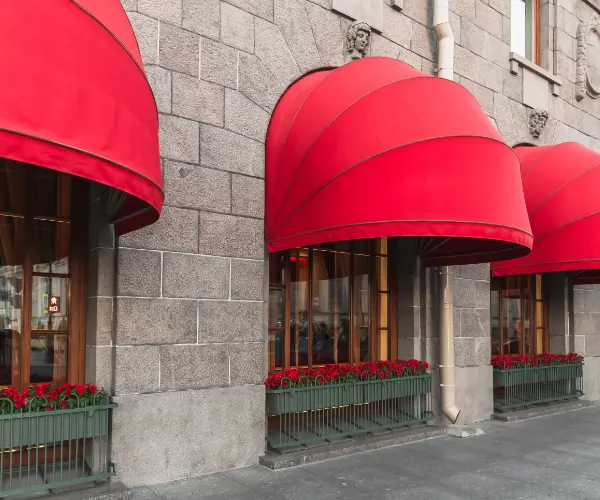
53, 427
397, 388
282, 401
536, 375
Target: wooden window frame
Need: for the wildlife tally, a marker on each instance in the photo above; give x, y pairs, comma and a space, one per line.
78, 264
354, 340
532, 310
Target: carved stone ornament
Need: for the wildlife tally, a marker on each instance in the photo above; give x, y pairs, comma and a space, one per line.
537, 122
358, 41
588, 59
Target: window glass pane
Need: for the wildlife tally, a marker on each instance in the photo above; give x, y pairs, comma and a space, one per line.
495, 315
49, 358
51, 246
276, 340
50, 304
11, 288
518, 28
511, 308
331, 322
298, 347
361, 306
276, 267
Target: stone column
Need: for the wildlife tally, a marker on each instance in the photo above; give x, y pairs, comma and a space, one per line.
586, 330
472, 344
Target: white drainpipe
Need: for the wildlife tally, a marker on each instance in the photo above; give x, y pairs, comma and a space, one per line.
445, 37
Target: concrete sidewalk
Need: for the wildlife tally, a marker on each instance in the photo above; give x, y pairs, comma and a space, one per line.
556, 457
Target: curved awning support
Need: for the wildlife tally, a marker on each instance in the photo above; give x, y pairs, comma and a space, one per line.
75, 99
561, 185
376, 148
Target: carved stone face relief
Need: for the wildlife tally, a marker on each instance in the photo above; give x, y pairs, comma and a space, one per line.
588, 59
358, 41
537, 122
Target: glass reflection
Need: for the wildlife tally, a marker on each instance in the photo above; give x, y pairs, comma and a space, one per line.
49, 358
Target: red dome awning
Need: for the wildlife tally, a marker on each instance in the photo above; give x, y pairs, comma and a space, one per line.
377, 148
562, 192
74, 98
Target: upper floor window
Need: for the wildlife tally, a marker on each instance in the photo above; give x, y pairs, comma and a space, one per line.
524, 29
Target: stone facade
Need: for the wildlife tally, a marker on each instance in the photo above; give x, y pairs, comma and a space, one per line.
177, 323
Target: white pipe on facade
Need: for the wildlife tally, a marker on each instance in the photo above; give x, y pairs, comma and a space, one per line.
447, 375
445, 37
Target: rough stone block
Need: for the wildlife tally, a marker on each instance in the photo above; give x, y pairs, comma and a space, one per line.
579, 344
567, 22
248, 363
99, 366
231, 236
535, 90
260, 8
428, 67
369, 11
184, 367
566, 44
274, 53
499, 52
136, 369
487, 74
410, 58
200, 188
230, 321
472, 351
592, 301
198, 100
455, 26
248, 196
225, 150
419, 11
474, 39
179, 139
464, 8
464, 292
146, 33
396, 26
474, 322
160, 81
195, 276
512, 86
558, 345
464, 64
247, 279
423, 41
584, 324
506, 29
99, 321
176, 230
502, 6
218, 63
129, 5
138, 273
488, 19
292, 19
578, 300
235, 417
476, 271
482, 294
474, 394
257, 83
237, 28
101, 273
591, 379
485, 97
327, 31
382, 47
169, 11
202, 17
178, 50
244, 117
155, 321
592, 345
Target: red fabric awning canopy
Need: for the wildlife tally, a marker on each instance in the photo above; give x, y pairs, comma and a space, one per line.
377, 148
562, 192
74, 98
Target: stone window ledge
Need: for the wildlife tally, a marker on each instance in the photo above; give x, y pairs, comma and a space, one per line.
516, 60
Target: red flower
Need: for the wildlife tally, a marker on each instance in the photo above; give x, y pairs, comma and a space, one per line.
63, 403
48, 408
80, 389
93, 389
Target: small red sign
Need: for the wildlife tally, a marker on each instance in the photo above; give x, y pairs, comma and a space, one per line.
54, 306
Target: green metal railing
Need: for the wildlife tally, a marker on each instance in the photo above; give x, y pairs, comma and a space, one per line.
331, 412
522, 387
54, 449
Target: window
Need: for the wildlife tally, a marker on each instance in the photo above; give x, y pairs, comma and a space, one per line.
519, 315
524, 29
330, 304
41, 270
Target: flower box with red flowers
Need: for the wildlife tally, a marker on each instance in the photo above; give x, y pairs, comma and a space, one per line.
43, 414
536, 369
296, 390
